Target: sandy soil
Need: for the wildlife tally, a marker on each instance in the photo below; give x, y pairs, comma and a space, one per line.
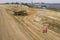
22, 28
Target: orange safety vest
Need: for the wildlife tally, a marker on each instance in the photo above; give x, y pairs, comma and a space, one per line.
45, 28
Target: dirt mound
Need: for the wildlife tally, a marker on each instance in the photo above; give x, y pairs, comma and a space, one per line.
18, 8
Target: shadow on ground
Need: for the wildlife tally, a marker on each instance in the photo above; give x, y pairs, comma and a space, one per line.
20, 13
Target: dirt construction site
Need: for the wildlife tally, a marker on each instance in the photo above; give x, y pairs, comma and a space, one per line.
15, 26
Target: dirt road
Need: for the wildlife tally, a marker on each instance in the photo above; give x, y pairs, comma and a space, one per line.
21, 28
9, 28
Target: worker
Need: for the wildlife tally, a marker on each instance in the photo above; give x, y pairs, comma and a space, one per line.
45, 28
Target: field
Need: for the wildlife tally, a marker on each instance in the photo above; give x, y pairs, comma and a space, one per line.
29, 27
